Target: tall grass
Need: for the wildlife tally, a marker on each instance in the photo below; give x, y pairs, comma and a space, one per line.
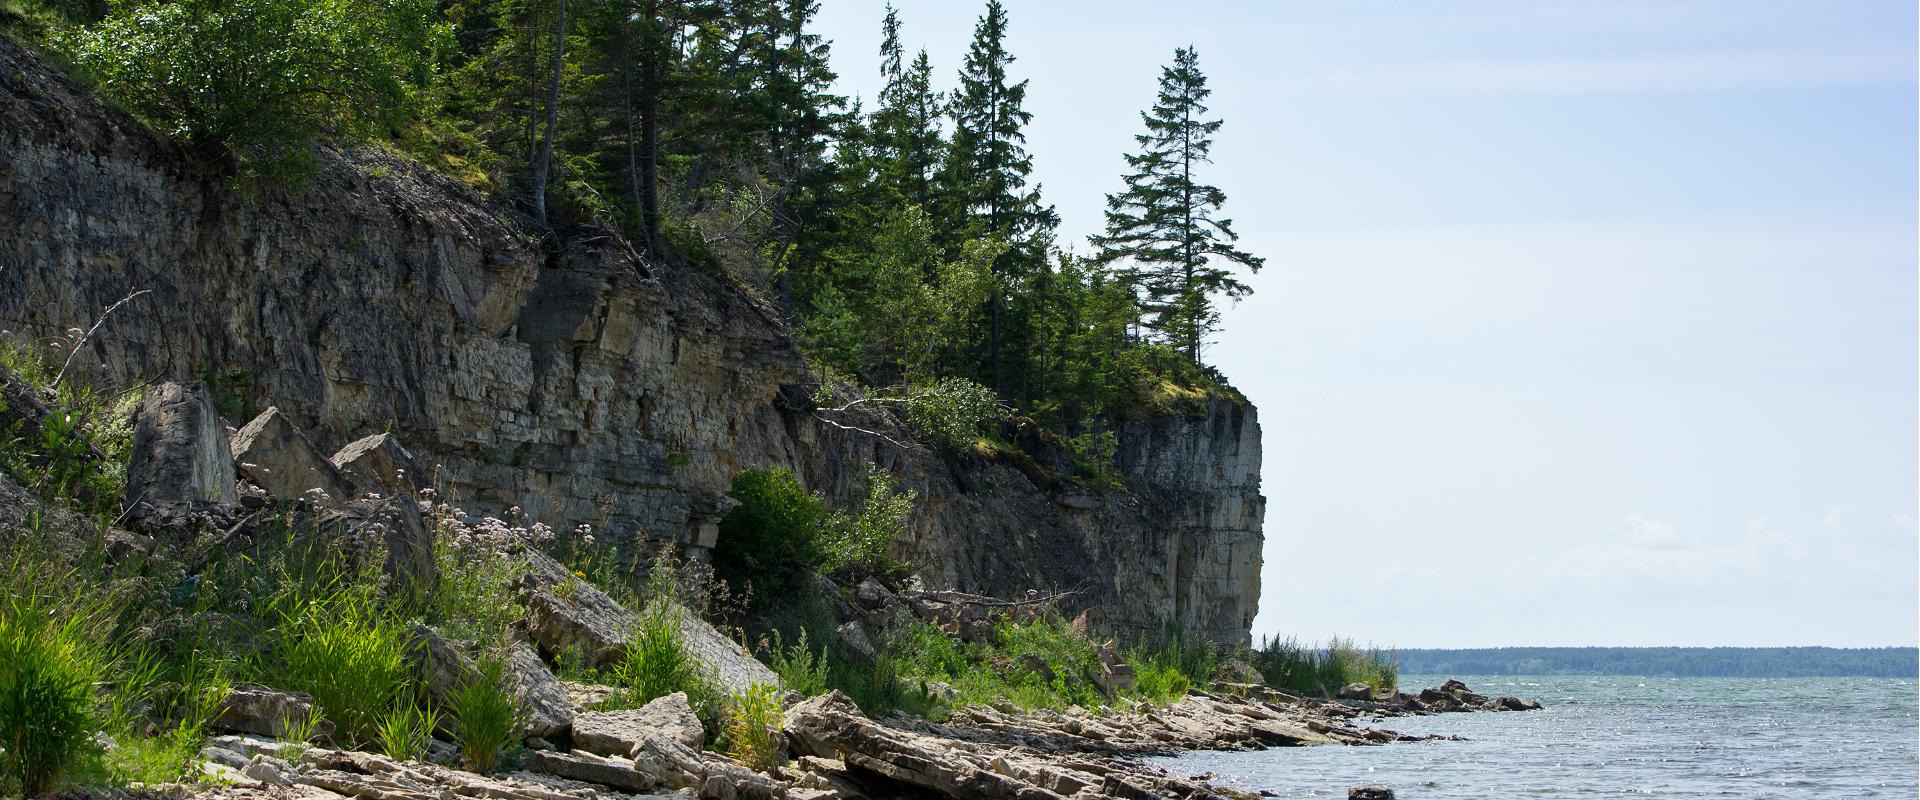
1310, 669
48, 669
350, 655
1166, 672
487, 717
407, 729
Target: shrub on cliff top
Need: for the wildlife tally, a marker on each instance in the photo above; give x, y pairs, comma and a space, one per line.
264, 78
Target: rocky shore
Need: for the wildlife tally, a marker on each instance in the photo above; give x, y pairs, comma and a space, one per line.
833, 750
189, 472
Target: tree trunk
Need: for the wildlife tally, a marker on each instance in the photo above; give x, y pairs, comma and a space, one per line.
650, 127
543, 163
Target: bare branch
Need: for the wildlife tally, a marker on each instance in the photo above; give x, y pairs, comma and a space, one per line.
88, 335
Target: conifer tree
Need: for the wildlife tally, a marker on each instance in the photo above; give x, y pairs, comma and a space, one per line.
984, 183
1164, 225
906, 125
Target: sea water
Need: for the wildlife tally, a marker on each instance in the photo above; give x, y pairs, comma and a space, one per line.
1620, 736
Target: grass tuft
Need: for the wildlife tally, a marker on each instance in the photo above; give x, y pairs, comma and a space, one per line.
486, 716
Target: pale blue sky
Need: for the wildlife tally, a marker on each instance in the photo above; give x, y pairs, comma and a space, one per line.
1584, 322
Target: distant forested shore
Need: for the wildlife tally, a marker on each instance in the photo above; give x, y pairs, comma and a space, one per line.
1705, 662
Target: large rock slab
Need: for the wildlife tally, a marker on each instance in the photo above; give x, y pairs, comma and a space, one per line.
615, 773
570, 618
180, 452
277, 457
831, 726
379, 461
620, 733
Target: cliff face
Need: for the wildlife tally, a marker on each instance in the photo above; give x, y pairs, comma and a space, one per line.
569, 378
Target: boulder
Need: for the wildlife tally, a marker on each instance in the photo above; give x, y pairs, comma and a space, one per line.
272, 453
542, 696
584, 622
854, 638
873, 595
440, 665
1369, 793
443, 666
618, 733
1235, 670
1356, 691
378, 463
396, 526
709, 776
180, 453
1032, 662
266, 712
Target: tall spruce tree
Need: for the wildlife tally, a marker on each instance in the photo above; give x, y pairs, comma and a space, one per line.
984, 183
906, 125
1176, 252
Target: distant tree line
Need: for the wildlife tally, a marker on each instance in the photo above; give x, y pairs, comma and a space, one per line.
1678, 662
906, 243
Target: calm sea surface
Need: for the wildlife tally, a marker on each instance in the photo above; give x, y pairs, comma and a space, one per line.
1605, 736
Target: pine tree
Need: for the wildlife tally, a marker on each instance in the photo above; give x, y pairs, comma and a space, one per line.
984, 183
1164, 225
906, 125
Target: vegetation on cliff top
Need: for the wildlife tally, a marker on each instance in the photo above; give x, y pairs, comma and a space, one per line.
906, 244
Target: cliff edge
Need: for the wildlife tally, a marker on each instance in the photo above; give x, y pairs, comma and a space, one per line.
564, 375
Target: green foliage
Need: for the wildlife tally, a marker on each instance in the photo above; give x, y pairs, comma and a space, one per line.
486, 716
80, 451
408, 728
800, 667
752, 734
656, 663
856, 543
1165, 672
264, 78
1288, 664
775, 530
780, 530
1164, 225
350, 655
48, 669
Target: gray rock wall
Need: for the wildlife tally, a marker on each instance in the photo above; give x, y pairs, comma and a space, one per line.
574, 380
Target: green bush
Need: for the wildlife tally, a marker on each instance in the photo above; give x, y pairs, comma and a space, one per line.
780, 530
752, 733
264, 78
47, 674
800, 668
351, 656
774, 532
486, 716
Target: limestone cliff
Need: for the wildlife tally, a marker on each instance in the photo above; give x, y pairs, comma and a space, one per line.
566, 376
